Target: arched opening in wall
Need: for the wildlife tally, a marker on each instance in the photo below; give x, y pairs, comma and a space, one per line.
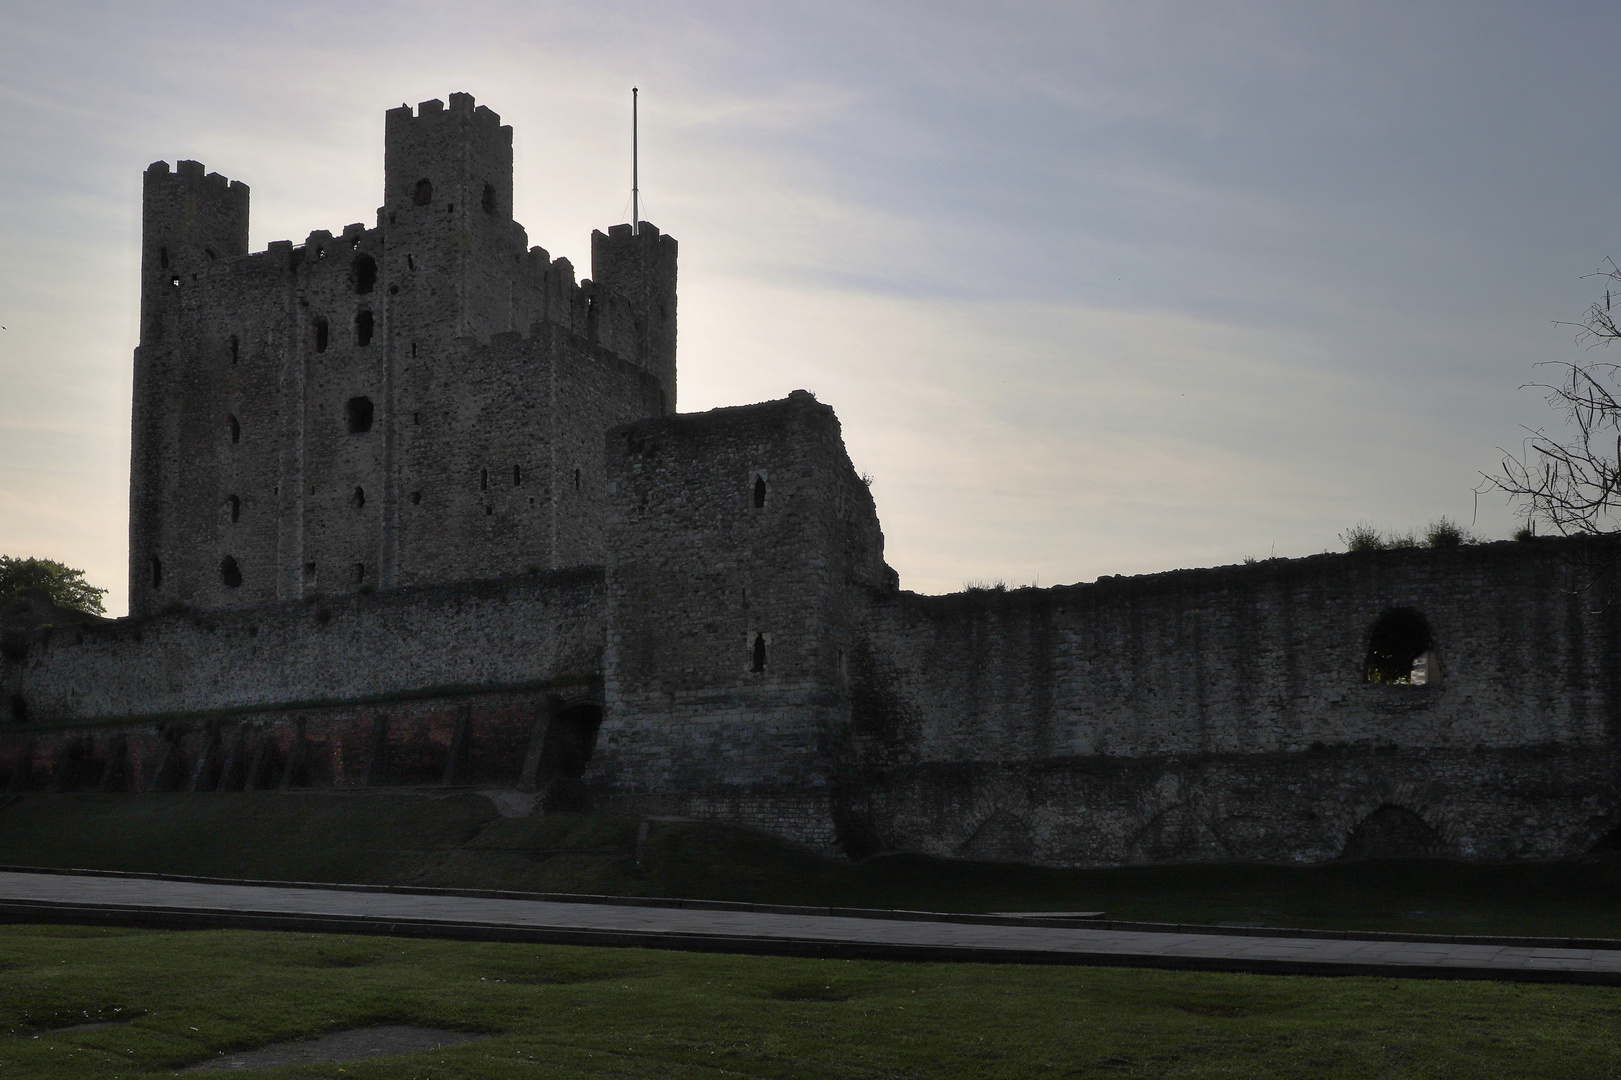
360, 573
358, 414
234, 428
230, 573
363, 327
1608, 844
1393, 832
571, 738
358, 500
757, 653
322, 331
236, 348
759, 491
1401, 649
363, 274
157, 572
488, 200
423, 195
233, 508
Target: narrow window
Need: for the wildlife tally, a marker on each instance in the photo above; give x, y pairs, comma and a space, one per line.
450, 208
363, 274
484, 479
230, 573
517, 476
416, 498
234, 506
157, 572
360, 573
757, 654
489, 511
1401, 649
416, 418
320, 335
210, 253
309, 572
359, 499
363, 327
236, 348
759, 490
488, 201
410, 262
576, 479
358, 415
413, 349
233, 427
163, 258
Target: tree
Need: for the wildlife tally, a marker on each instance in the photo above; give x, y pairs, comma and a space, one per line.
66, 587
1573, 483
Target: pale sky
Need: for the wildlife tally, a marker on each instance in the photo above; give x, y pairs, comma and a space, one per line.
1095, 288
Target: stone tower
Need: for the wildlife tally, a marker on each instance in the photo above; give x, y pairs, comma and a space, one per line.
420, 401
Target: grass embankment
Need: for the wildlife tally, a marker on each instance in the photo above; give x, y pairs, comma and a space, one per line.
460, 841
175, 998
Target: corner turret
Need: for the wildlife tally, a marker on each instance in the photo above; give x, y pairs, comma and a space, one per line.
640, 266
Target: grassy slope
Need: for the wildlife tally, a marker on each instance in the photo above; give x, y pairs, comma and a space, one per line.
182, 997
460, 841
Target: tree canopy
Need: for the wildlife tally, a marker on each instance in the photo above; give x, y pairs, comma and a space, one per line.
64, 585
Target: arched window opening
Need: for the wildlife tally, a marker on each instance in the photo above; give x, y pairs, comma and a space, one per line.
358, 414
484, 479
416, 498
163, 258
363, 327
236, 348
233, 506
1393, 832
157, 572
321, 331
757, 653
450, 208
1401, 650
488, 201
517, 476
360, 572
230, 573
423, 195
363, 274
212, 255
359, 498
759, 490
233, 427
576, 479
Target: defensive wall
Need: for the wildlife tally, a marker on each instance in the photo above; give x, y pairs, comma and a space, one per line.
436, 684
751, 658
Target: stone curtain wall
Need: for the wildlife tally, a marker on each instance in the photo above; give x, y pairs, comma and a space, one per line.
1225, 714
532, 631
736, 542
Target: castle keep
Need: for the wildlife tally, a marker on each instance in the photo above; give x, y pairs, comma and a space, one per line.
420, 401
410, 505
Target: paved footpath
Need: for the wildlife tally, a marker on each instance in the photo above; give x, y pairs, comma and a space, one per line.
129, 900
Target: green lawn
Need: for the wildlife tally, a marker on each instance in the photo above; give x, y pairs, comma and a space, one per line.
459, 840
177, 997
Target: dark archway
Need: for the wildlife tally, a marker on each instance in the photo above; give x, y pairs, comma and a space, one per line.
1401, 649
1608, 844
571, 738
1393, 832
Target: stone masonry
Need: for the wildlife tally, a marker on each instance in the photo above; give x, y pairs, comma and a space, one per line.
410, 505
